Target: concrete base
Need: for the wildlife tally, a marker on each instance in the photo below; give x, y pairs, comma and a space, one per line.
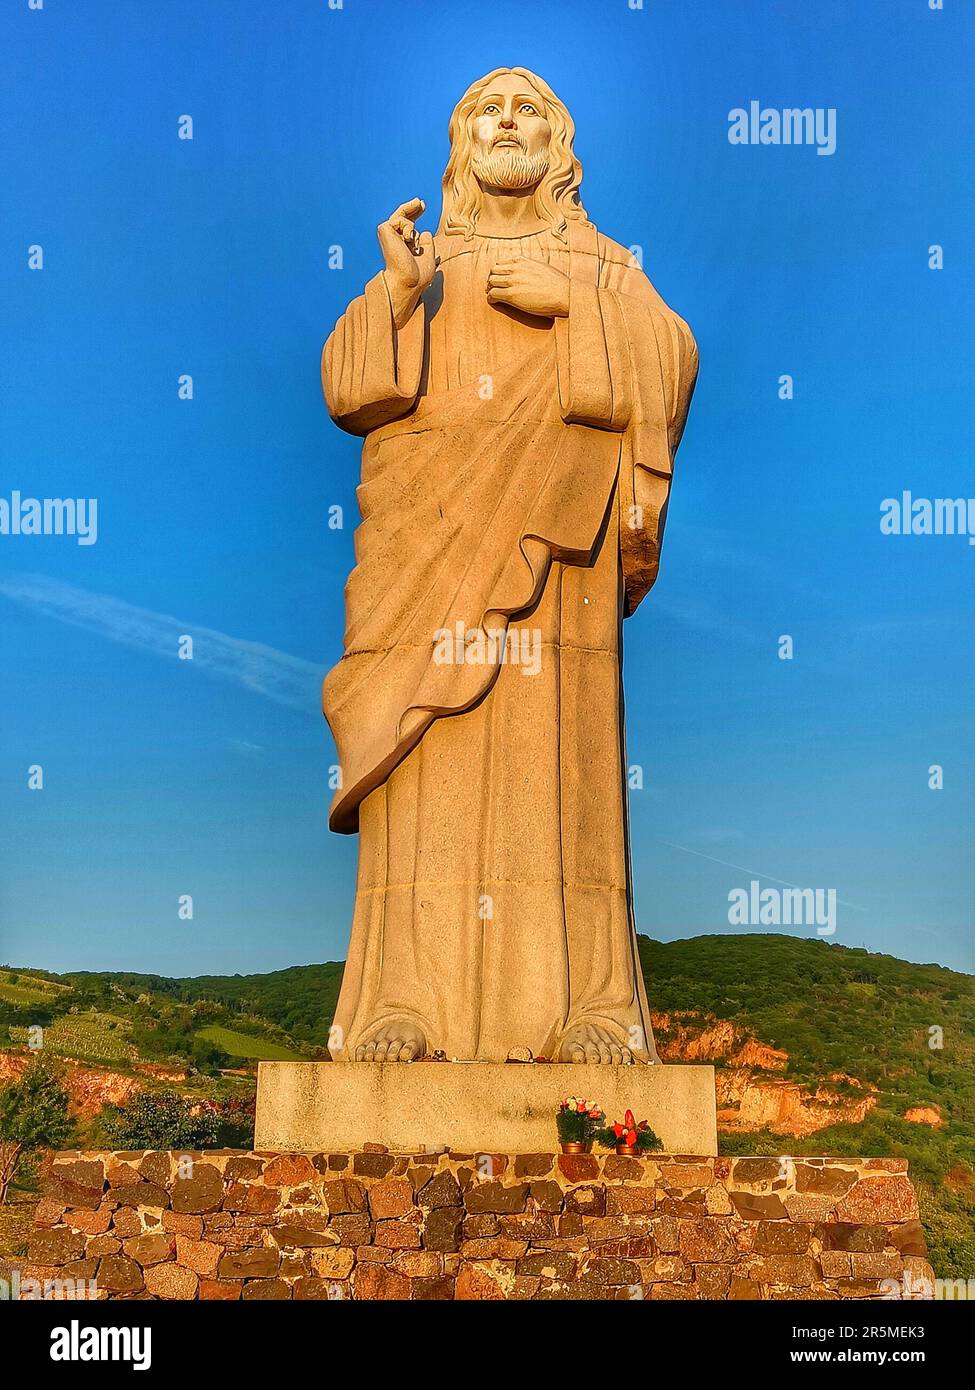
476, 1107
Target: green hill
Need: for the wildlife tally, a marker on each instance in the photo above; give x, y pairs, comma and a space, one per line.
832, 1008
907, 1029
19, 988
300, 1000
120, 1018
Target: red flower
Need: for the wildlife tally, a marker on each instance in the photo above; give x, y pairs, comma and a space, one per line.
628, 1120
618, 1130
630, 1138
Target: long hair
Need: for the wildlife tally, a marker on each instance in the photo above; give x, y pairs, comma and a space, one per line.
556, 197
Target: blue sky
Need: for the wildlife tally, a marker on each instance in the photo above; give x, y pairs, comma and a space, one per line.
210, 257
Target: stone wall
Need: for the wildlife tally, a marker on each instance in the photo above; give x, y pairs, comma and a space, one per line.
377, 1225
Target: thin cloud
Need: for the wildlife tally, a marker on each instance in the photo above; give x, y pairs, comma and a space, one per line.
286, 680
753, 873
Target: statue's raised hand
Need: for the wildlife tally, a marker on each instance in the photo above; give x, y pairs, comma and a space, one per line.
531, 286
409, 256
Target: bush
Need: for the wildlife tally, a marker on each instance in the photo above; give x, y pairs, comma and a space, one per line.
33, 1116
160, 1120
208, 1057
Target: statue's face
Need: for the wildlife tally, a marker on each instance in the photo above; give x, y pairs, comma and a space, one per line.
511, 136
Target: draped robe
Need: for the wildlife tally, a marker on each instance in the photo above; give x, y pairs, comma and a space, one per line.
515, 474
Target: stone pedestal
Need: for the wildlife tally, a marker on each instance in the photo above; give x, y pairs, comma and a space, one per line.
472, 1107
367, 1225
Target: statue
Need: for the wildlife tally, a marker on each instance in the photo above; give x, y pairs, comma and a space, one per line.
521, 389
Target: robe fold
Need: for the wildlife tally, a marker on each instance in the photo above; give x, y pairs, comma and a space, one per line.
515, 473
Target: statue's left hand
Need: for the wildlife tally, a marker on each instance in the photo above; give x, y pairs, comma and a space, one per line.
531, 286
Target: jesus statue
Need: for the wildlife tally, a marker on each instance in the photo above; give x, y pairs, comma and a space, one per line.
521, 389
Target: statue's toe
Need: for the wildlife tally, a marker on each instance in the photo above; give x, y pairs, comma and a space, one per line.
401, 1041
596, 1044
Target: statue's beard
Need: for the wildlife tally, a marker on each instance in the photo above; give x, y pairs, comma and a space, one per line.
510, 170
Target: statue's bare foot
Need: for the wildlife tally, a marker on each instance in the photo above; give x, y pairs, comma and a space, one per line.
396, 1041
592, 1042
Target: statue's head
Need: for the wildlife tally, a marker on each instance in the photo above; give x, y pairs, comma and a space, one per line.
510, 134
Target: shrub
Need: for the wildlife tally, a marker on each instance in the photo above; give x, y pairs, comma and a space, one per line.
33, 1116
160, 1120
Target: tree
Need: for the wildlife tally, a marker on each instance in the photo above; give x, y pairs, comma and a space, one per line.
33, 1116
208, 1057
162, 1120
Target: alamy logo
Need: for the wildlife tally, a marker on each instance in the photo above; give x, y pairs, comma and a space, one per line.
77, 1343
17, 1289
756, 906
908, 515
792, 125
519, 646
50, 516
913, 1286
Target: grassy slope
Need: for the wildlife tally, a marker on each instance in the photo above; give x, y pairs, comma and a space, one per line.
251, 1048
19, 988
89, 1037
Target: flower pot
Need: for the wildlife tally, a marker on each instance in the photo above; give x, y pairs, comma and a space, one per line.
573, 1146
625, 1149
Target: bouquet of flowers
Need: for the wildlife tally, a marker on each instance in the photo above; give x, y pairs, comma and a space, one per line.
628, 1137
577, 1121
